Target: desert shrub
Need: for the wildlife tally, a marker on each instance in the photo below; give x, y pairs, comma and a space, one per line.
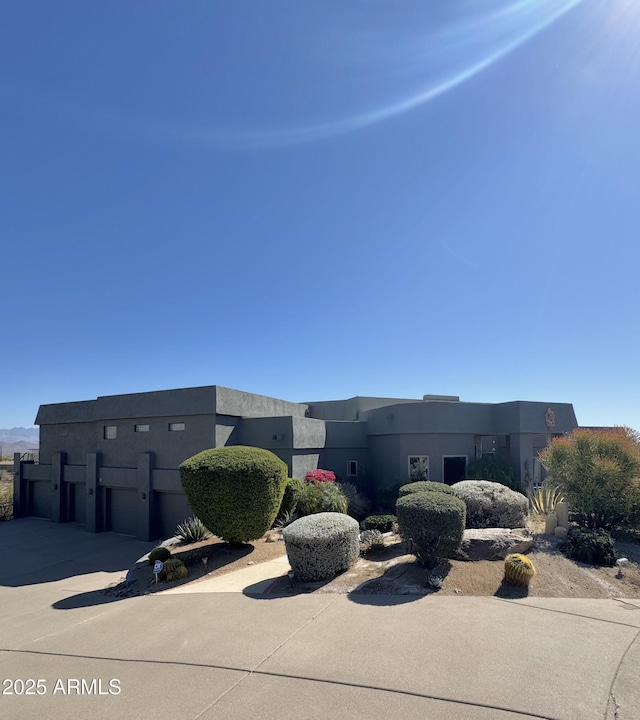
173, 570
433, 522
159, 553
543, 500
424, 486
292, 491
370, 541
6, 497
383, 523
491, 504
495, 469
595, 547
320, 476
192, 530
236, 491
321, 545
598, 472
518, 569
358, 504
323, 497
386, 496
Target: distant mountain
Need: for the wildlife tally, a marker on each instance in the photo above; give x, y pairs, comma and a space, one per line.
18, 440
31, 436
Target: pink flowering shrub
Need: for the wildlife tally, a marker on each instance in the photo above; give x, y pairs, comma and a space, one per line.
320, 476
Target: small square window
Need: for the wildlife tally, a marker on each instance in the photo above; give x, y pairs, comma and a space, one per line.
176, 427
352, 468
141, 428
110, 432
418, 467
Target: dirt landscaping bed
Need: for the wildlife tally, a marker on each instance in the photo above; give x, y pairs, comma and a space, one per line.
393, 571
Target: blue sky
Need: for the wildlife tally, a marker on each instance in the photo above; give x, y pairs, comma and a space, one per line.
315, 200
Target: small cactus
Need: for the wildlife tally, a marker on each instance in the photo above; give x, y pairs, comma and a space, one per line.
173, 569
518, 569
159, 553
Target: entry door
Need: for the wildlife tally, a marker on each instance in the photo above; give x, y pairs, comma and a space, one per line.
454, 468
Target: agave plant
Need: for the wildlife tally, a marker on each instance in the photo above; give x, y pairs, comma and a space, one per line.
192, 530
543, 499
358, 504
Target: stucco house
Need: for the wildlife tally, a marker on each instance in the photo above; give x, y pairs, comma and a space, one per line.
112, 463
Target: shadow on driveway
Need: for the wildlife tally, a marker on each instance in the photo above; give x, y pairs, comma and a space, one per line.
35, 551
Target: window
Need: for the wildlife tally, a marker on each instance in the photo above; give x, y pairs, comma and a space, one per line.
110, 432
352, 468
418, 467
141, 428
176, 427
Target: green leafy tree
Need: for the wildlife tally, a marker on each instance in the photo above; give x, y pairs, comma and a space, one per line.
599, 473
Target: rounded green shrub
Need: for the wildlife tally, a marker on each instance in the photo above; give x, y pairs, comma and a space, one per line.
518, 569
323, 497
173, 570
491, 504
595, 547
159, 553
292, 491
433, 522
236, 491
424, 486
383, 523
321, 545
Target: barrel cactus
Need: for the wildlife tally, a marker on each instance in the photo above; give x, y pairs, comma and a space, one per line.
159, 553
518, 569
173, 570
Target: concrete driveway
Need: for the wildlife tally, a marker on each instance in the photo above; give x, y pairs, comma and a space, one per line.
69, 651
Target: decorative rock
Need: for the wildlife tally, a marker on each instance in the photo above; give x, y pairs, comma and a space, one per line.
493, 543
561, 532
562, 512
550, 525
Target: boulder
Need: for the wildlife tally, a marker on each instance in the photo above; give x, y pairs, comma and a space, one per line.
493, 543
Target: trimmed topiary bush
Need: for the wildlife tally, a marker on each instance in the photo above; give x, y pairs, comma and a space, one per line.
173, 570
518, 569
491, 504
433, 522
321, 545
292, 491
323, 497
383, 523
159, 553
424, 486
236, 491
595, 547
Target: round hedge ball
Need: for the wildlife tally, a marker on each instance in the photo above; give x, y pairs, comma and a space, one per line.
321, 545
424, 486
491, 504
434, 524
236, 491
